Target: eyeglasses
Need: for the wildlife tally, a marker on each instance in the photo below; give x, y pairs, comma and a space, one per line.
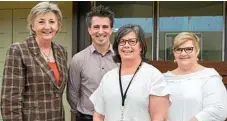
131, 42
186, 50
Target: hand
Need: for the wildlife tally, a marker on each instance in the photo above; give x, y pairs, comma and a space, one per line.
193, 119
98, 117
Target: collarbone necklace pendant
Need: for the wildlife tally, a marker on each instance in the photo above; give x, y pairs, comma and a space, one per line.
46, 57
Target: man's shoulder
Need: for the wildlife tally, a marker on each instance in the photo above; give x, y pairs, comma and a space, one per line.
81, 57
83, 53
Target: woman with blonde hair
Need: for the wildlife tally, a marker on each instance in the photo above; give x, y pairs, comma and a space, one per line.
35, 71
197, 92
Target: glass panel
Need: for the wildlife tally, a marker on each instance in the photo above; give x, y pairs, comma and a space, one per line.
132, 13
205, 19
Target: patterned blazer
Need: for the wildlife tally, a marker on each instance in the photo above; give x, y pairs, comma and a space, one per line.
29, 88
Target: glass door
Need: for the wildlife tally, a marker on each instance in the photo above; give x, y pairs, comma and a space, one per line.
133, 12
204, 18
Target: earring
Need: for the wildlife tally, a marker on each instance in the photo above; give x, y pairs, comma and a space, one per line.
174, 61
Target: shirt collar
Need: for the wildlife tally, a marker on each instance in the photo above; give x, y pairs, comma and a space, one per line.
92, 48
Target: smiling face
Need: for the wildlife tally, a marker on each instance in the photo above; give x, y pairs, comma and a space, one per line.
45, 26
131, 49
186, 54
100, 30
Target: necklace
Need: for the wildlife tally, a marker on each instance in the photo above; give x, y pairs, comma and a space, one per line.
46, 56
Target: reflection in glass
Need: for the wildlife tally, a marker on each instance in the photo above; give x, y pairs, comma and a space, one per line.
132, 12
205, 19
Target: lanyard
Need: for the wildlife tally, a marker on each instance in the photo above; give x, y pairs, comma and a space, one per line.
123, 96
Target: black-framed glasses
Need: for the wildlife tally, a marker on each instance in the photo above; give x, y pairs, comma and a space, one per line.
186, 50
131, 42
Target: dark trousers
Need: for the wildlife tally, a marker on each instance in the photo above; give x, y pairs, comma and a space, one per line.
83, 117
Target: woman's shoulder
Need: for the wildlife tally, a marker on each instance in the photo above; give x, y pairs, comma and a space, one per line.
204, 73
150, 68
150, 71
15, 45
18, 45
211, 71
113, 71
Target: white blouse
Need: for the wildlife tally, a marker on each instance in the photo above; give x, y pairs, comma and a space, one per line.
107, 98
200, 94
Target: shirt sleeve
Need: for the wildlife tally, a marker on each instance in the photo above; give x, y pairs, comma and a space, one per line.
97, 98
214, 101
158, 85
13, 85
73, 84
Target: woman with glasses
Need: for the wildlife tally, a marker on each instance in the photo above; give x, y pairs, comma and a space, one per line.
197, 92
134, 91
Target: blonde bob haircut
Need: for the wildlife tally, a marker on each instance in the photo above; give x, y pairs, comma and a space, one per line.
40, 9
183, 37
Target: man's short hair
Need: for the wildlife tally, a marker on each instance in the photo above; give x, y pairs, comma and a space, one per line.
100, 11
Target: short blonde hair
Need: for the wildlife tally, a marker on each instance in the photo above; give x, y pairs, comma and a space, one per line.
40, 9
183, 37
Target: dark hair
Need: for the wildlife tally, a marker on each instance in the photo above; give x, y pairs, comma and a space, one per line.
125, 30
100, 11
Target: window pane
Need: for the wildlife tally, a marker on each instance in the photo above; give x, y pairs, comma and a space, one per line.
132, 13
205, 19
